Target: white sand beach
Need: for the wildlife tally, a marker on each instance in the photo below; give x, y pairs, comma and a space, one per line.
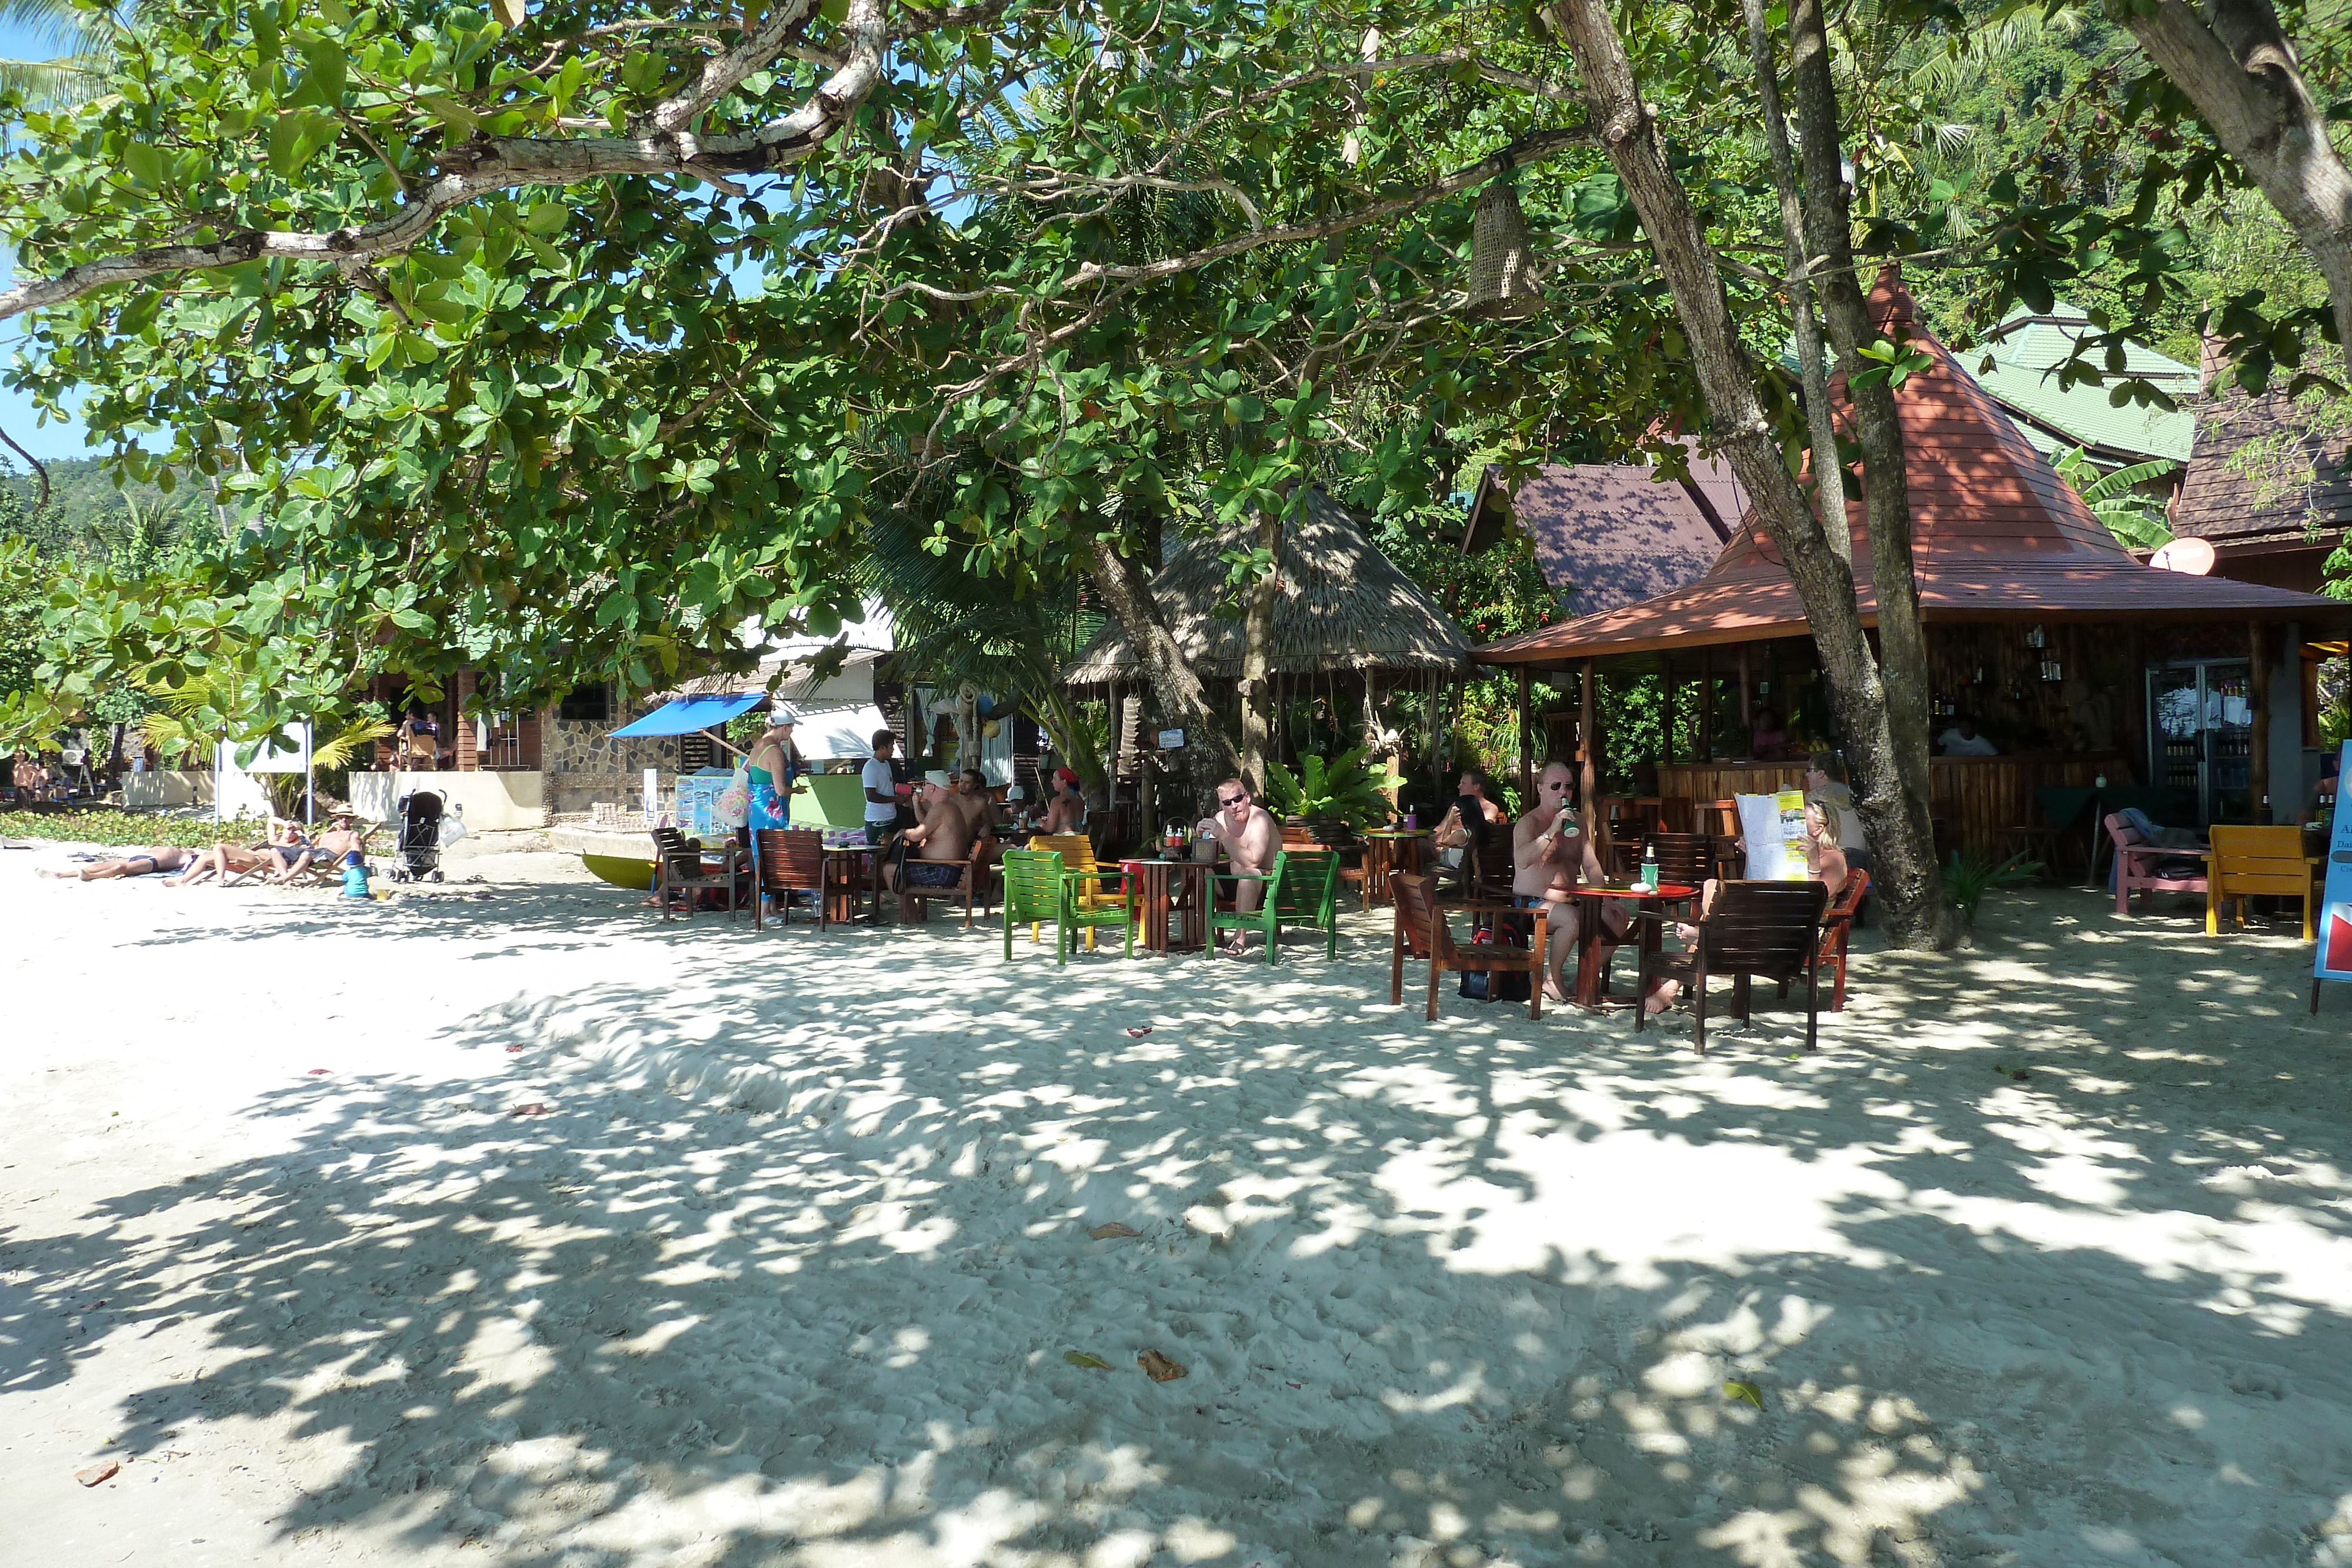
793, 1262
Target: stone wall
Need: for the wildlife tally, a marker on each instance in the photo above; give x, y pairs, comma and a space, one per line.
580, 763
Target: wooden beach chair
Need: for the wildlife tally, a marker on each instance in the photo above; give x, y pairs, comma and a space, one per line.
1421, 933
790, 861
679, 874
2258, 863
2141, 866
1771, 929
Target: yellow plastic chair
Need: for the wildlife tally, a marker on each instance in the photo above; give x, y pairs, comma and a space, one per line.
1077, 852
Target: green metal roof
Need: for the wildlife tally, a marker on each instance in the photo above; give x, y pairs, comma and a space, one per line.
2026, 352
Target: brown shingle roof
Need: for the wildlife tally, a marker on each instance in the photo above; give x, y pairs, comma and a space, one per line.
2264, 473
1995, 535
1612, 534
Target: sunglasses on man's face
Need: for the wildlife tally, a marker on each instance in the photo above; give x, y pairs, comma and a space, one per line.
1560, 784
1230, 801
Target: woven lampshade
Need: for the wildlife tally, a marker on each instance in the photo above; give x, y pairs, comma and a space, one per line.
1502, 277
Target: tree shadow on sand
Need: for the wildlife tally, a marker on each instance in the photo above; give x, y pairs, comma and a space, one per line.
794, 1267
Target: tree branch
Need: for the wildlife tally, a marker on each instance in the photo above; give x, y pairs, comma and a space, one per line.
500, 163
1531, 148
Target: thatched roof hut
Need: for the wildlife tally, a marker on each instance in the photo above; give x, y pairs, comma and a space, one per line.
1344, 607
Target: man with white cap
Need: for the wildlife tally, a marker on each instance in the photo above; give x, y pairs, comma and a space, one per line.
943, 837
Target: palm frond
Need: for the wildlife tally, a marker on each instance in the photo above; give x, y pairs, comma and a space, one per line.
345, 746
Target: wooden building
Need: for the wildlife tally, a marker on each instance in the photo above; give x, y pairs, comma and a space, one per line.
2076, 659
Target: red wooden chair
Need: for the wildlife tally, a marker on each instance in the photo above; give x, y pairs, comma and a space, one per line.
1423, 934
2140, 866
1837, 931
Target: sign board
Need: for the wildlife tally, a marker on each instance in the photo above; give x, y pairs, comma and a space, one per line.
1774, 827
1170, 740
2334, 959
698, 799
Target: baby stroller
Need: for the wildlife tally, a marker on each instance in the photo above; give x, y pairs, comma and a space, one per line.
420, 837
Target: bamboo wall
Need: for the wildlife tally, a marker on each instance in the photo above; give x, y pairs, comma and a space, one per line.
1973, 798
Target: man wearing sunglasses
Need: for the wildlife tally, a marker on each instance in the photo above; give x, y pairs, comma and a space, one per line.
1549, 851
1250, 836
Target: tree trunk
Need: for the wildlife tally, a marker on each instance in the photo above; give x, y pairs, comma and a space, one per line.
2243, 75
1829, 473
1127, 594
1823, 581
1916, 907
1257, 649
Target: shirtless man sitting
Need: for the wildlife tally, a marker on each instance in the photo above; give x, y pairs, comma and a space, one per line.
1250, 836
1549, 851
943, 835
139, 863
971, 794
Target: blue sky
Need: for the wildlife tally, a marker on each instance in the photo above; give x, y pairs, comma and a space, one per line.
17, 415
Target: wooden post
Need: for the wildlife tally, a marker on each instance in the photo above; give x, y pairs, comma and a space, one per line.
1527, 762
2258, 741
1706, 704
1587, 743
2136, 751
1746, 706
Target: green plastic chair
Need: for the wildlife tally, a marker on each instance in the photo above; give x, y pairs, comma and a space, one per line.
1304, 890
1038, 889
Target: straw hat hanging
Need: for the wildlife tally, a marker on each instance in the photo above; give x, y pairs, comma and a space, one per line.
1502, 274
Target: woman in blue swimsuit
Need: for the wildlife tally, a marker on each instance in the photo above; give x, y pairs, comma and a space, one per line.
770, 766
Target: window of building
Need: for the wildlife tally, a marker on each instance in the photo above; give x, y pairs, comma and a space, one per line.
591, 704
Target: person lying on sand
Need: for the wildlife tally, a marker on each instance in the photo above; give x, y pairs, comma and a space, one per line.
139, 863
230, 864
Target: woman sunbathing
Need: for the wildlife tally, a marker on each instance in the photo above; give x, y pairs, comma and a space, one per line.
230, 864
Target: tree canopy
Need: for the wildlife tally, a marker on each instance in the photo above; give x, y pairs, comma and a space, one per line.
566, 342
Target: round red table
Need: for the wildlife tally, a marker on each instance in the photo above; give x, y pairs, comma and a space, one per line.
1589, 974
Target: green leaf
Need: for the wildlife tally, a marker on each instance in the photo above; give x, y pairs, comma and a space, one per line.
297, 137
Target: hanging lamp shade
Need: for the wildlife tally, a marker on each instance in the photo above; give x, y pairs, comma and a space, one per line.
1502, 274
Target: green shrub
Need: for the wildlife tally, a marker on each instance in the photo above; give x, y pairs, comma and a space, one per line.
129, 829
1967, 879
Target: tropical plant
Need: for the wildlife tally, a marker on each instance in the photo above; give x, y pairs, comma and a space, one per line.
2114, 499
955, 627
78, 38
1347, 788
1968, 877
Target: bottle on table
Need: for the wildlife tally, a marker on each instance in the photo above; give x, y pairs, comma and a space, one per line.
1649, 867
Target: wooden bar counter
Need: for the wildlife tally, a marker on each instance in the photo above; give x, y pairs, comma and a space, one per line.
1974, 797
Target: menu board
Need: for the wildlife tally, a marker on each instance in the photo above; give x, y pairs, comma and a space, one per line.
1774, 827
2333, 960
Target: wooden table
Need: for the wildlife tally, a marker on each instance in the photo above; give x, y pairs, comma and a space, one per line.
1590, 974
1157, 889
1386, 851
842, 880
